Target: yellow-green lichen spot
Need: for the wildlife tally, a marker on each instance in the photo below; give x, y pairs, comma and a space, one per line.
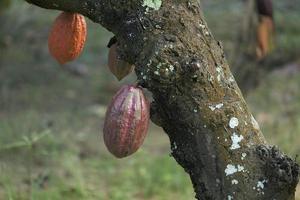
155, 4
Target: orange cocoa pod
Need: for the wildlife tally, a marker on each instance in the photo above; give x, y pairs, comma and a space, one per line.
117, 66
126, 121
264, 37
67, 37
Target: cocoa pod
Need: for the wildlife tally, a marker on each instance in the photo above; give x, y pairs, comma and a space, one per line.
117, 66
126, 121
67, 37
265, 31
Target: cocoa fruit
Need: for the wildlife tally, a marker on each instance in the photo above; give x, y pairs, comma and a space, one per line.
265, 31
67, 37
117, 66
126, 121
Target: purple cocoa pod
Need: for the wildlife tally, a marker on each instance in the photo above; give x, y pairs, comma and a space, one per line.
126, 121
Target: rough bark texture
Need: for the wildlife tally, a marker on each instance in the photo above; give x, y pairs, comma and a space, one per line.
213, 135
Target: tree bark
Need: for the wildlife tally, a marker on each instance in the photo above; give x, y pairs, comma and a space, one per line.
212, 133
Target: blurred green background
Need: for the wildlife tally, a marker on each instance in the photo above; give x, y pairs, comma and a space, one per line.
51, 119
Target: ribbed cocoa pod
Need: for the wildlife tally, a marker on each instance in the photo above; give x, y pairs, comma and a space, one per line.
117, 66
67, 37
126, 121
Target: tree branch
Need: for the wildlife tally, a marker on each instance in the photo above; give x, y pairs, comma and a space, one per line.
213, 135
108, 13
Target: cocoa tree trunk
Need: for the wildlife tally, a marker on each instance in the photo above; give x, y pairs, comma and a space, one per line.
212, 133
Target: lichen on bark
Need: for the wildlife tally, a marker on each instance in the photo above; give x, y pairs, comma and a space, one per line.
155, 4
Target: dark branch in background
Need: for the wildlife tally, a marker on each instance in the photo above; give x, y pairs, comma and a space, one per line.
212, 133
265, 7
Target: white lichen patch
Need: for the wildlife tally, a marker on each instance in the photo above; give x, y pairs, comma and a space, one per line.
155, 4
234, 182
243, 156
261, 185
231, 79
202, 25
214, 107
149, 63
159, 65
254, 123
236, 139
219, 73
220, 105
171, 67
234, 122
241, 168
232, 169
157, 26
174, 145
156, 72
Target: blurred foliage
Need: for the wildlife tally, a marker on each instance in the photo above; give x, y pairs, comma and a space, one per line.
248, 71
50, 121
4, 5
